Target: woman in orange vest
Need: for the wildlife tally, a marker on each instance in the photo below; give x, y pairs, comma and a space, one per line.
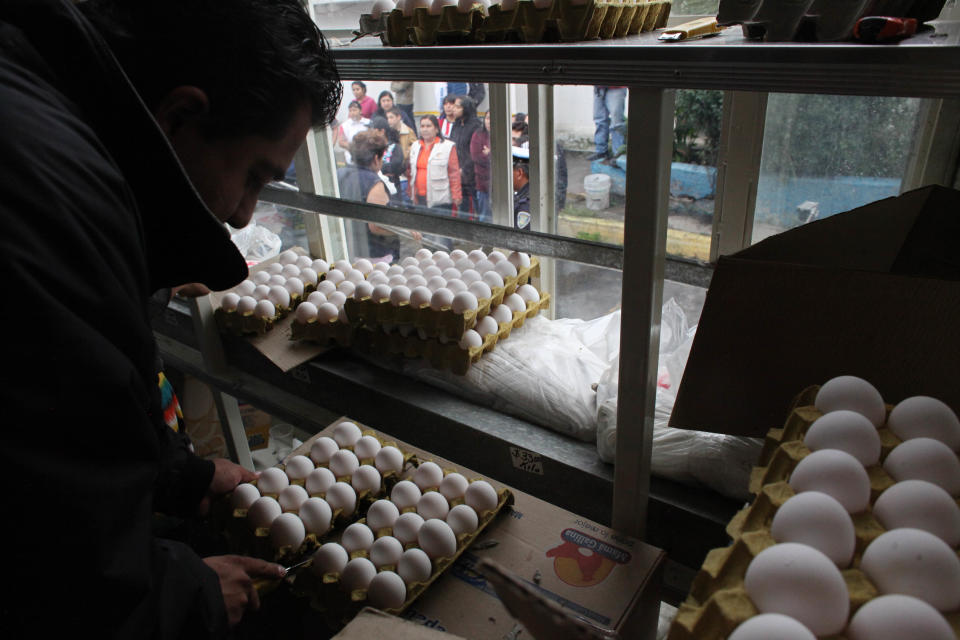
434, 168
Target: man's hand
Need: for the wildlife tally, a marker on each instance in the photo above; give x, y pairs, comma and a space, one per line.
226, 476
237, 574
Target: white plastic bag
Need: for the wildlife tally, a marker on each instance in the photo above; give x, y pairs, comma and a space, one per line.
257, 243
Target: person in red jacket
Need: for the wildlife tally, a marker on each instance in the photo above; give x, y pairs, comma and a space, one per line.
367, 104
480, 152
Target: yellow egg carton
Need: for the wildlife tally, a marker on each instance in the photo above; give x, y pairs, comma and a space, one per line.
436, 323
561, 21
443, 355
332, 332
718, 603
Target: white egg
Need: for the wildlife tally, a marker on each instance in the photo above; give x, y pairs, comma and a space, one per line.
470, 340
432, 272
389, 459
337, 299
529, 293
486, 325
835, 473
365, 478
229, 301
437, 255
263, 511
366, 447
895, 617
272, 480
432, 505
290, 271
800, 582
506, 269
316, 298
347, 288
385, 550
347, 434
407, 526
265, 310
441, 298
394, 270
298, 467
322, 448
462, 519
771, 625
262, 291
484, 266
914, 563
381, 292
847, 431
329, 558
918, 504
343, 266
437, 539
355, 276
244, 495
451, 274
480, 289
326, 287
428, 475
925, 417
380, 267
304, 262
496, 257
519, 260
420, 297
456, 286
397, 281
294, 286
477, 255
327, 312
502, 313
853, 393
462, 265
481, 496
414, 566
317, 515
357, 574
416, 281
292, 497
377, 278
444, 263
320, 266
309, 276
342, 496
344, 463
412, 270
287, 530
925, 459
260, 277
819, 521
463, 302
423, 254
306, 312
515, 303
319, 480
276, 280
405, 494
287, 257
335, 276
275, 268
399, 295
458, 254
363, 290
387, 591
246, 288
382, 514
356, 537
453, 486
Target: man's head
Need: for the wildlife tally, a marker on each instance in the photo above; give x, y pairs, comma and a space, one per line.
449, 103
394, 118
234, 84
359, 90
465, 108
517, 129
521, 173
367, 148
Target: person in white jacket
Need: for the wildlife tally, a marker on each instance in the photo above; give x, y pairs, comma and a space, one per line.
434, 168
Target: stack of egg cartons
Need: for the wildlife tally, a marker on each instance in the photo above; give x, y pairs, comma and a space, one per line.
853, 533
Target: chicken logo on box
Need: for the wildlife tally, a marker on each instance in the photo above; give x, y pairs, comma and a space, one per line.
583, 561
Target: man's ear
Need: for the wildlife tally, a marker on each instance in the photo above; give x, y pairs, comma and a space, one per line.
179, 107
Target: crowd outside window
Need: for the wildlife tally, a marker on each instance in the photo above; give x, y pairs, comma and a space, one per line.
609, 121
480, 154
367, 105
434, 168
354, 124
385, 102
465, 125
403, 96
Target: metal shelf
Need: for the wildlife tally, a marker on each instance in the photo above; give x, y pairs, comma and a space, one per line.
925, 65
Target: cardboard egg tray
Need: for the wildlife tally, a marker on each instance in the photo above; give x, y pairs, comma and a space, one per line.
562, 21
718, 602
325, 593
443, 323
242, 324
333, 332
442, 355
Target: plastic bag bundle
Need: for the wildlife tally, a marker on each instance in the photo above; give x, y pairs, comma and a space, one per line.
256, 243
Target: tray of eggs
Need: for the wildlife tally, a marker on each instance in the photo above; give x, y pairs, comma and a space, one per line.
451, 22
854, 531
379, 523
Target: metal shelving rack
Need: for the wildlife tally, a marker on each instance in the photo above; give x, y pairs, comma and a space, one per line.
927, 65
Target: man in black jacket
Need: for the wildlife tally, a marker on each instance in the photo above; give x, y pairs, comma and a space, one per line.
132, 131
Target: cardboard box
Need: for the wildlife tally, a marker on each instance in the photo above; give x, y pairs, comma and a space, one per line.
607, 580
873, 292
371, 624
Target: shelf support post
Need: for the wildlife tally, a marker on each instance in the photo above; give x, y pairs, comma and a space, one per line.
501, 158
543, 172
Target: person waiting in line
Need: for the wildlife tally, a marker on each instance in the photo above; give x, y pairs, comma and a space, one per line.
609, 121
434, 168
393, 163
367, 105
465, 125
480, 154
385, 102
354, 124
449, 117
518, 132
405, 134
521, 188
403, 96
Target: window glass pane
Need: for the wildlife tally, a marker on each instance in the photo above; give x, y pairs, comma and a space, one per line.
827, 154
695, 7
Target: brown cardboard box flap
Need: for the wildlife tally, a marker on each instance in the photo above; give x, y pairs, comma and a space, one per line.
799, 309
373, 624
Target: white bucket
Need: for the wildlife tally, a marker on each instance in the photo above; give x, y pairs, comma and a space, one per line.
596, 186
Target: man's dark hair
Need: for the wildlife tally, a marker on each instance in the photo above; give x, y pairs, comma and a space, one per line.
395, 111
469, 108
258, 61
367, 146
522, 165
379, 123
450, 98
436, 123
520, 126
